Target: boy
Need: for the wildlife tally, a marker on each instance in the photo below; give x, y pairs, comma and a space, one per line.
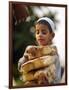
44, 36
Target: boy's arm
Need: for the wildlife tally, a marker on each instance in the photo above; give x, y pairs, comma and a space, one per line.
38, 63
52, 73
23, 59
30, 50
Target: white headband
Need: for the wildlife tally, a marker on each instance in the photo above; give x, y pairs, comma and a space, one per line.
49, 21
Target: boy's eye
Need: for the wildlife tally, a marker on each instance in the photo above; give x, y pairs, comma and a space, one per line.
37, 32
43, 31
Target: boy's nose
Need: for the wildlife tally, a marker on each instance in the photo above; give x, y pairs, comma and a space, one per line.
40, 34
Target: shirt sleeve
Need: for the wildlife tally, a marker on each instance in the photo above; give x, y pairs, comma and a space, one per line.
23, 59
58, 70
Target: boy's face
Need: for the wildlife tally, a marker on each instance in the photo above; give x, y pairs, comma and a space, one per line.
43, 35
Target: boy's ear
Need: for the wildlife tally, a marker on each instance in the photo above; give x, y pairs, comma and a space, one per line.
53, 35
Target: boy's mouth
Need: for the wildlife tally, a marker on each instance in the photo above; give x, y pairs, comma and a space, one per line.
41, 40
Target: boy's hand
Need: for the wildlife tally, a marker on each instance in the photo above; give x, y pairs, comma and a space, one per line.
46, 75
22, 61
41, 78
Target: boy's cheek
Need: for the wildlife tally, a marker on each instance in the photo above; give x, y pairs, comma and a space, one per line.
36, 37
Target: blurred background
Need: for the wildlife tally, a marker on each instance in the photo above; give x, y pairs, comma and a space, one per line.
24, 17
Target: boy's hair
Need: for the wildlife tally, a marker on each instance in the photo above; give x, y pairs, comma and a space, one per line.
45, 23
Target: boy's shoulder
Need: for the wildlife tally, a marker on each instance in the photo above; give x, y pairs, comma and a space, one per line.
54, 47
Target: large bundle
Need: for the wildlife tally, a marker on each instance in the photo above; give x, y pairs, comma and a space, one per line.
39, 59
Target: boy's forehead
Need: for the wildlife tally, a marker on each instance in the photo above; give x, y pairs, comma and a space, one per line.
41, 26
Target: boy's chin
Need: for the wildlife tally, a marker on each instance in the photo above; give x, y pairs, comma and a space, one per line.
42, 44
